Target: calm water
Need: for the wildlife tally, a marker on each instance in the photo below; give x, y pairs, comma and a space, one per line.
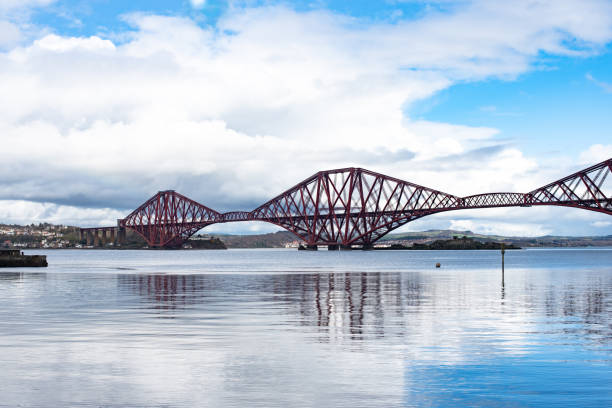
279, 328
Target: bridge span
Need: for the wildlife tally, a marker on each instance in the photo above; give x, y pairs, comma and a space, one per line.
349, 206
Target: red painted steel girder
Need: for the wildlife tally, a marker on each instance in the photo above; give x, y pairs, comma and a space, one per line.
589, 189
354, 206
490, 200
169, 218
237, 216
351, 206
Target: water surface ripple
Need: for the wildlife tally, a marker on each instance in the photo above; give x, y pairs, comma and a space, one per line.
279, 328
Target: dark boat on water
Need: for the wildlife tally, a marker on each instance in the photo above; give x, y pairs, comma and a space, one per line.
11, 258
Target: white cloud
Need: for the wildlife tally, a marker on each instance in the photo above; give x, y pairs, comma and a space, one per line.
596, 153
232, 115
197, 3
56, 43
15, 25
10, 34
603, 85
27, 212
6, 5
510, 228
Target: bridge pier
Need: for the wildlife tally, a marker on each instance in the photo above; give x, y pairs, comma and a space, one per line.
100, 237
120, 233
339, 247
121, 236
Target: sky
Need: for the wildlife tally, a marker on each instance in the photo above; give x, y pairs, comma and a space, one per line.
106, 102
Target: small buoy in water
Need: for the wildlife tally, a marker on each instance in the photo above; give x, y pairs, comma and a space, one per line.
437, 264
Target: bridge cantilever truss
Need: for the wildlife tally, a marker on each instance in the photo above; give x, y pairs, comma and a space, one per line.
169, 218
354, 206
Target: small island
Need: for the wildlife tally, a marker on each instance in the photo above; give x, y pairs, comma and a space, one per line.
198, 242
452, 244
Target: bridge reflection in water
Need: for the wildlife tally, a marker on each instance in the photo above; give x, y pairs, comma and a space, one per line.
434, 338
366, 306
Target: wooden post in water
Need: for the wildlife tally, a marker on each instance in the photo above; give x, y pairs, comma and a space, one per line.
503, 252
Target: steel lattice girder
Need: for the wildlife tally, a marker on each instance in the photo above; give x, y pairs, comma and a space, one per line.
590, 189
354, 206
168, 218
351, 206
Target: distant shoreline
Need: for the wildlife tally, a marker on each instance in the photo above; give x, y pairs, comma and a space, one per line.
295, 249
48, 236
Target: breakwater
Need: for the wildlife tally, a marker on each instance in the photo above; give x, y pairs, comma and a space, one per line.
11, 258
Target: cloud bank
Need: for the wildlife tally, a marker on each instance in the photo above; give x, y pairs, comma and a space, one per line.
234, 113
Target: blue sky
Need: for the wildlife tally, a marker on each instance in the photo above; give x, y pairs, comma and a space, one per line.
231, 102
88, 17
555, 107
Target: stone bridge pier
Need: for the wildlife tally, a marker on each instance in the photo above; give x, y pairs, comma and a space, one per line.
103, 236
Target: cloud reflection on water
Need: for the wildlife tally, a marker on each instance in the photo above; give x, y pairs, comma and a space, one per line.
306, 339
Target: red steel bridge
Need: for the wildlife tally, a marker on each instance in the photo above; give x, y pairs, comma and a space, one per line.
350, 206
